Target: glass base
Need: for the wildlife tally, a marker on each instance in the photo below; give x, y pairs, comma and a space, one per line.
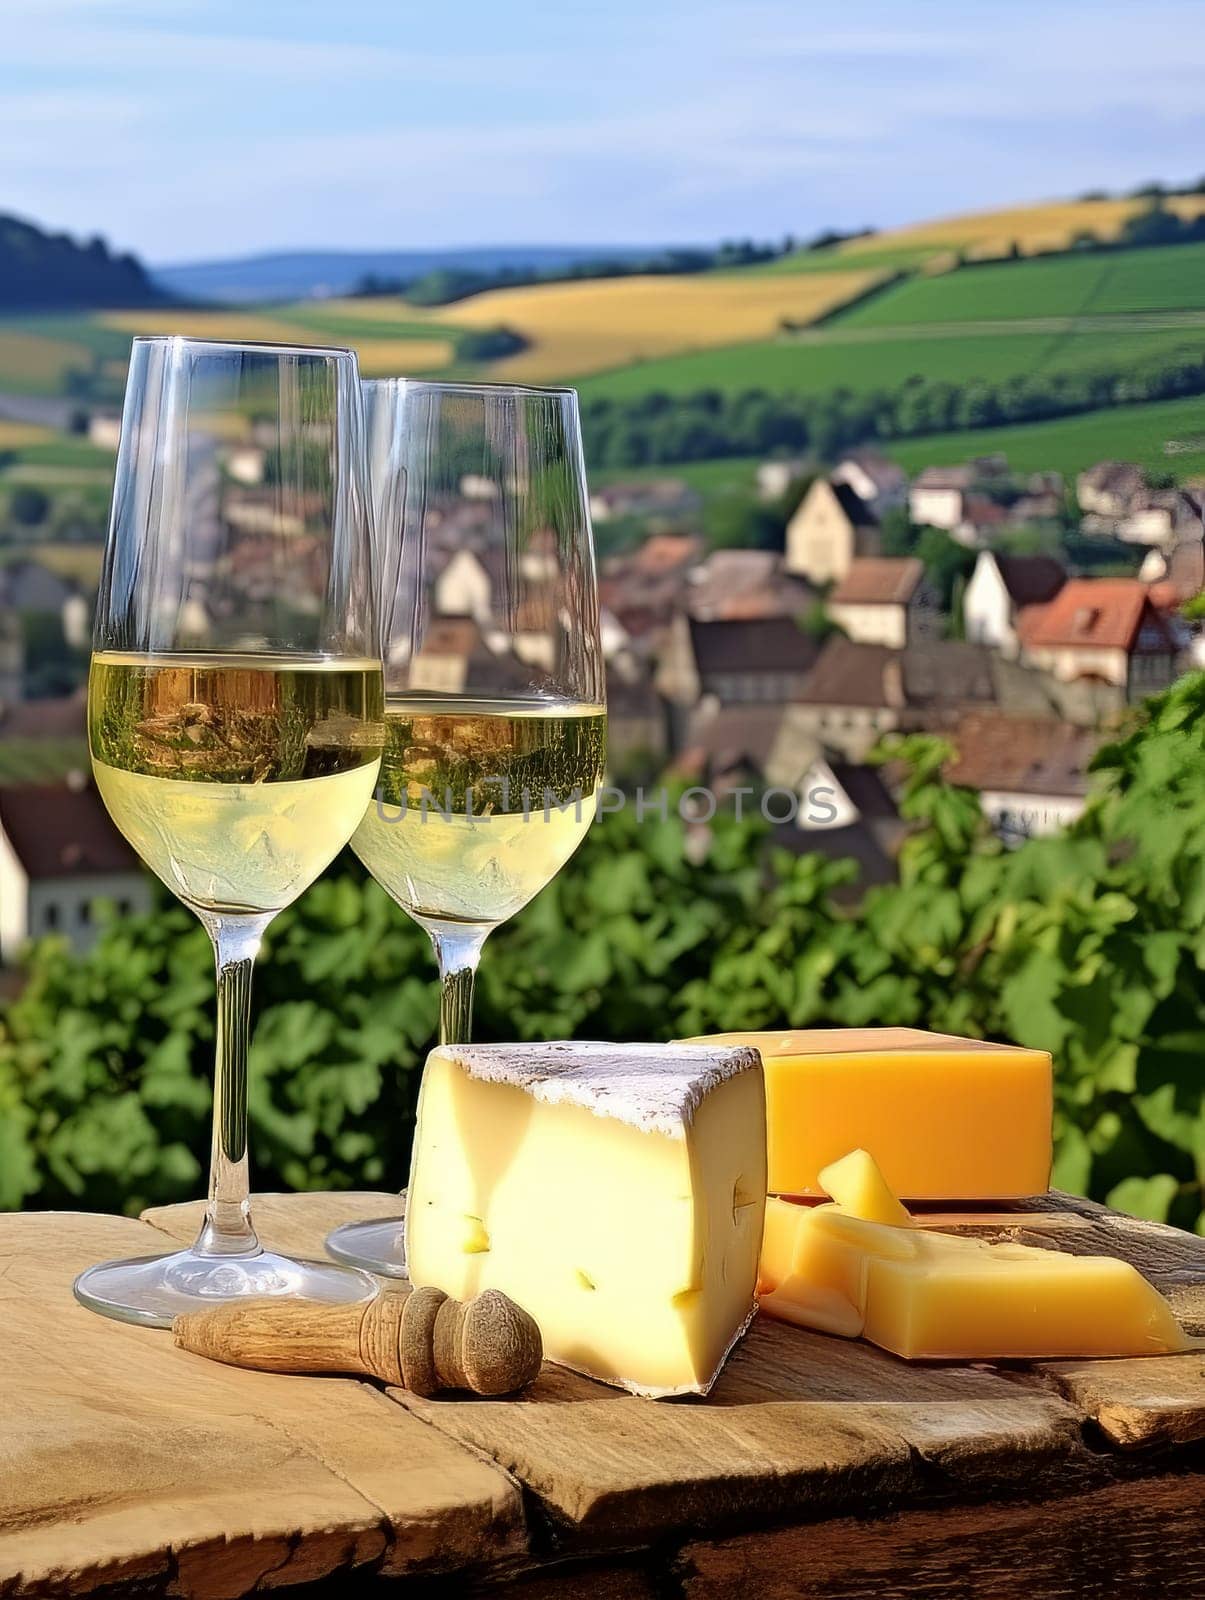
378, 1246
151, 1290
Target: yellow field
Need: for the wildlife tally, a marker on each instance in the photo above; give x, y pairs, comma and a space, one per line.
576, 328
394, 358
19, 435
1049, 226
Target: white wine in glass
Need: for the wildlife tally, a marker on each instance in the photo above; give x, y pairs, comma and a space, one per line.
235, 713
495, 721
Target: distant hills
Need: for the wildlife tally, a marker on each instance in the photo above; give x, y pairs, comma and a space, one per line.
302, 274
51, 271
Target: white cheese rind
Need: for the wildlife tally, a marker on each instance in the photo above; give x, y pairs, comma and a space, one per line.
656, 1088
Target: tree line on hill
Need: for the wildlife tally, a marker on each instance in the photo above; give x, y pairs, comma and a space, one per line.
51, 271
447, 284
657, 428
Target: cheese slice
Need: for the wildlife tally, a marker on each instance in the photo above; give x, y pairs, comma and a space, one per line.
937, 1296
945, 1118
616, 1192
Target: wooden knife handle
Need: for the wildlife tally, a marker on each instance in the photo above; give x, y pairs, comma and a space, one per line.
420, 1340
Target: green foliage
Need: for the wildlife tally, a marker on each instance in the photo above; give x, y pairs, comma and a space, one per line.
489, 344
28, 505
1090, 944
711, 422
40, 269
741, 522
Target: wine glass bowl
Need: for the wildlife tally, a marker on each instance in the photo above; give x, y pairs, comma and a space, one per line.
235, 707
495, 714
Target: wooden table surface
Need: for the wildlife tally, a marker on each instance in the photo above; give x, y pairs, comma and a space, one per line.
818, 1467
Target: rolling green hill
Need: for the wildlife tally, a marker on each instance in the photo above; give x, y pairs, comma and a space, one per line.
1112, 283
871, 314
1164, 435
860, 360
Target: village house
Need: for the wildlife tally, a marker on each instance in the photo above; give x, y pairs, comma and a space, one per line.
832, 527
643, 497
885, 600
1161, 517
745, 583
59, 854
857, 692
936, 496
999, 589
1031, 773
1110, 489
1175, 575
1106, 630
774, 477
735, 661
636, 721
819, 802
879, 483
982, 521
455, 656
643, 588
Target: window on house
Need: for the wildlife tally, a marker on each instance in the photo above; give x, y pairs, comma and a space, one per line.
124, 908
50, 917
83, 913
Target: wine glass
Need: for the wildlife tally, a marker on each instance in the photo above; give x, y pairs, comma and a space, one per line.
235, 711
495, 714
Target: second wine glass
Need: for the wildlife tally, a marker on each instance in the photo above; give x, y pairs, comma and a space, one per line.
495, 710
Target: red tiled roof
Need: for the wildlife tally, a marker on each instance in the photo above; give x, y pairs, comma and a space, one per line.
663, 552
58, 831
1099, 614
1025, 755
879, 580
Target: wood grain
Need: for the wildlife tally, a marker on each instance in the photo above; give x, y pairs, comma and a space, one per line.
1137, 1403
801, 1425
1139, 1541
125, 1458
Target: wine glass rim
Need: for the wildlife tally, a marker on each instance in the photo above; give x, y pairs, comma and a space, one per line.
181, 339
469, 387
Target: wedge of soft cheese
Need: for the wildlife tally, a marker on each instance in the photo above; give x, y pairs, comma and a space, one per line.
851, 1268
616, 1192
945, 1118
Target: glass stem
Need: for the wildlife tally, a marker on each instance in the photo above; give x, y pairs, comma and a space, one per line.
227, 1229
458, 950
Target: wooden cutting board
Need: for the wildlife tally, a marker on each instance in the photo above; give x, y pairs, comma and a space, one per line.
813, 1456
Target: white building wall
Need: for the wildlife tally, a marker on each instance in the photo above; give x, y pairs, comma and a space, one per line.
987, 609
14, 902
1015, 816
935, 508
873, 624
64, 906
1071, 662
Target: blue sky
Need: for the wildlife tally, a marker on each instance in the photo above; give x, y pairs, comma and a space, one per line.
196, 128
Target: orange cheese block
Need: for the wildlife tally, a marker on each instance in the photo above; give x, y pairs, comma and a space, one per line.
944, 1118
855, 1268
